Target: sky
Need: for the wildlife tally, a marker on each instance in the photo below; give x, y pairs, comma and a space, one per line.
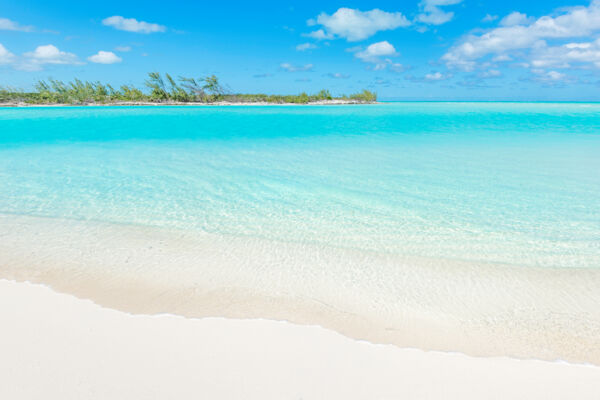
403, 49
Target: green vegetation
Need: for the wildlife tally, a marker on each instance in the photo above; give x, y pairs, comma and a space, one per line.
159, 89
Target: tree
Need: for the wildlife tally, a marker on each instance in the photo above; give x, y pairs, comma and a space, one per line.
194, 89
157, 86
176, 92
212, 85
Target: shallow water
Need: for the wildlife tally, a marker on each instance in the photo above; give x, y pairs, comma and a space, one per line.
409, 211
500, 182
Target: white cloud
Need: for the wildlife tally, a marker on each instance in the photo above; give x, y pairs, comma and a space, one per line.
566, 55
395, 67
47, 54
429, 78
8, 25
549, 77
491, 73
374, 51
6, 57
516, 18
436, 76
555, 75
296, 68
305, 46
489, 18
132, 25
502, 57
105, 57
319, 35
574, 22
432, 14
355, 25
123, 49
378, 54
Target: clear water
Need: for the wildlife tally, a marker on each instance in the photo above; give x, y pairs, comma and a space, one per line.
510, 183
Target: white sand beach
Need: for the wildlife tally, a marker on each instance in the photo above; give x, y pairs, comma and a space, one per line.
55, 346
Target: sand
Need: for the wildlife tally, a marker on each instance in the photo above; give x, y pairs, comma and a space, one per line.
56, 346
190, 103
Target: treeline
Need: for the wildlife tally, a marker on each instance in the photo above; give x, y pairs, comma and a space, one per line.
159, 89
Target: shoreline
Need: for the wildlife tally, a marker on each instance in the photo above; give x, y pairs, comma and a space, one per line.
110, 354
175, 103
492, 310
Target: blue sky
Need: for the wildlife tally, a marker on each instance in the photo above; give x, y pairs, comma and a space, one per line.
422, 49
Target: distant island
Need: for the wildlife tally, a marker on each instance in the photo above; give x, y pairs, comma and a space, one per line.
162, 91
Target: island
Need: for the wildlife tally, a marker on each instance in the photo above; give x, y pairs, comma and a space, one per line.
161, 90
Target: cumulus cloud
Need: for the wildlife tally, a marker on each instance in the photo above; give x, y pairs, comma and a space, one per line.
566, 55
8, 25
504, 40
354, 25
489, 18
296, 68
105, 57
379, 54
516, 18
432, 14
47, 54
375, 51
6, 57
305, 46
132, 25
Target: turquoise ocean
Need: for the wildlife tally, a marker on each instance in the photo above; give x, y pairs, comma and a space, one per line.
494, 186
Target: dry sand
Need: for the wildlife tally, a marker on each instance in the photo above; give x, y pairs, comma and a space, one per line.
55, 346
189, 103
